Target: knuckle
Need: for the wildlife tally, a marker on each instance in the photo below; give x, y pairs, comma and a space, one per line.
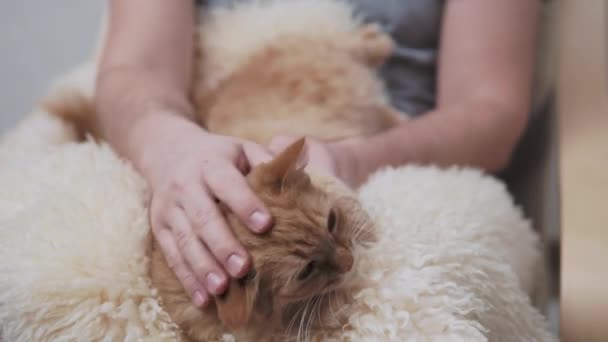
157, 213
157, 226
182, 238
173, 262
221, 252
248, 203
160, 215
205, 219
157, 221
213, 174
188, 279
175, 187
201, 268
245, 207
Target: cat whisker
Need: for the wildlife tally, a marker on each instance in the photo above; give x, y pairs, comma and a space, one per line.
364, 235
358, 218
331, 308
361, 229
319, 308
309, 321
359, 233
300, 329
293, 319
315, 307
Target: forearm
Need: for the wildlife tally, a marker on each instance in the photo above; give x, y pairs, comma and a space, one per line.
145, 68
127, 97
480, 134
484, 82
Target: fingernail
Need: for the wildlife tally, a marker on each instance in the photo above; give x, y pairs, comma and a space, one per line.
199, 299
235, 265
259, 221
214, 283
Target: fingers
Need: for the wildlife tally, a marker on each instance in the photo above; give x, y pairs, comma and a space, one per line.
177, 264
209, 224
197, 256
231, 188
255, 154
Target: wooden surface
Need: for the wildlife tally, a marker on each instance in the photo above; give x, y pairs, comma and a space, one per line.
583, 129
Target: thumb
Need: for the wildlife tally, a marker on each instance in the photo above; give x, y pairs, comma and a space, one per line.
256, 154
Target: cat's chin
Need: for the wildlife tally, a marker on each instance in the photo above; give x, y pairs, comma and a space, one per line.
320, 312
335, 285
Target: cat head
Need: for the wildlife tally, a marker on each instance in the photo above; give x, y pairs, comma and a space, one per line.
307, 253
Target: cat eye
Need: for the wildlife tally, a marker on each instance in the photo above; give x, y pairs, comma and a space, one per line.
307, 270
332, 221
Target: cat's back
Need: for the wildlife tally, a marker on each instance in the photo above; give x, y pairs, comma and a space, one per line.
299, 67
230, 34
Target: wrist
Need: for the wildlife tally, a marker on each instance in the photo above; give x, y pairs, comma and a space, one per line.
351, 162
128, 98
156, 139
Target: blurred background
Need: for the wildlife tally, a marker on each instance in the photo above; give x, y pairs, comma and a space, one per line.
583, 166
560, 175
39, 41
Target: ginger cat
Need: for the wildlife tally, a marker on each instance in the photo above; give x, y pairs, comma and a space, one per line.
311, 73
299, 267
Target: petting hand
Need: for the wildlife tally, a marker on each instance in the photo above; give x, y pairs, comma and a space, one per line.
190, 170
337, 159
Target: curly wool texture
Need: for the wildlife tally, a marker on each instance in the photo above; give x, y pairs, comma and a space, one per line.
74, 231
74, 239
452, 258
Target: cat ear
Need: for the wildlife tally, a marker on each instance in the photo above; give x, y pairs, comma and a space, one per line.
234, 308
372, 45
293, 158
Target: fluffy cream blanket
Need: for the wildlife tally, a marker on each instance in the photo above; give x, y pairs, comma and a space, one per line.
455, 260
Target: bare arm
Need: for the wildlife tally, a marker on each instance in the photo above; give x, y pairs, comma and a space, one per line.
145, 67
484, 90
142, 99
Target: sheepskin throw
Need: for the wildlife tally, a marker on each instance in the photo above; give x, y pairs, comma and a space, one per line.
455, 258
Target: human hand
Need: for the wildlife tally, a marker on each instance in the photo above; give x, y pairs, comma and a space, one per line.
189, 171
337, 159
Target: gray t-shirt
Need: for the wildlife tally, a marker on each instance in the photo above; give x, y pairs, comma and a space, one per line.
414, 25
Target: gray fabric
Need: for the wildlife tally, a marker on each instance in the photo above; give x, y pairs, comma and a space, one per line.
414, 25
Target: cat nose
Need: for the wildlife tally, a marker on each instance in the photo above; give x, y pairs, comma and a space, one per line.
344, 260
